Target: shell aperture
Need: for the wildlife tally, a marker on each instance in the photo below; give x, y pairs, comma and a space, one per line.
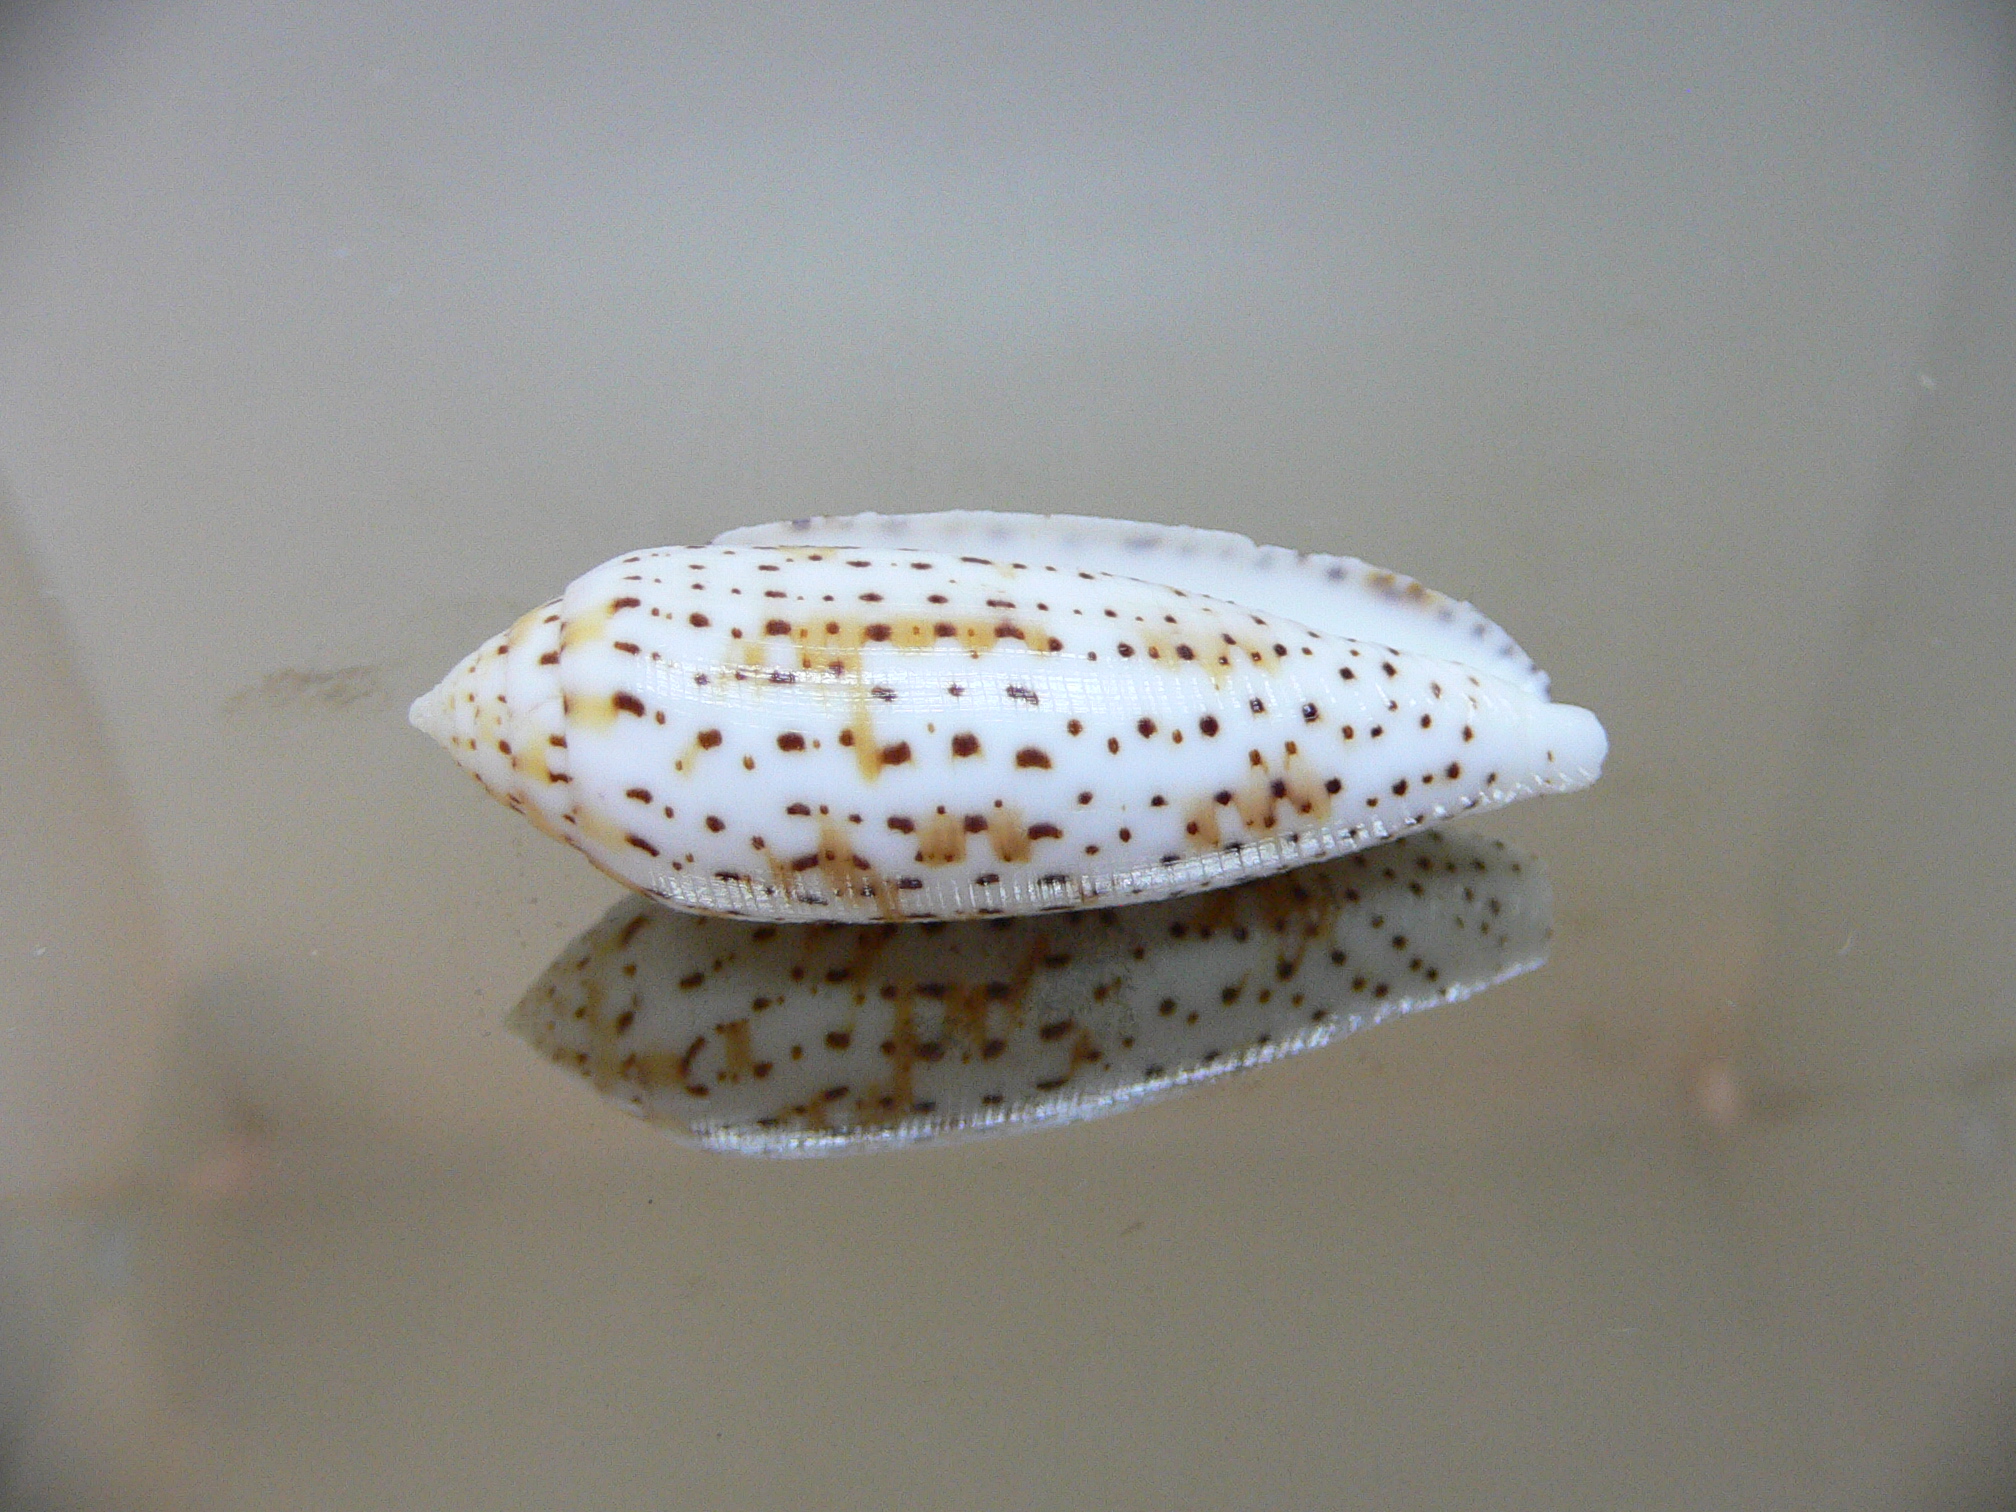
824, 1039
810, 721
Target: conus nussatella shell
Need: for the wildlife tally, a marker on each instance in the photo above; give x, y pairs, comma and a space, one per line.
967, 714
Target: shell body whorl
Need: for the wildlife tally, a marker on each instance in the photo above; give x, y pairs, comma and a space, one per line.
877, 731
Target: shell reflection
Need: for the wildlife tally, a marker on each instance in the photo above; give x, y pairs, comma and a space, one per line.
814, 1039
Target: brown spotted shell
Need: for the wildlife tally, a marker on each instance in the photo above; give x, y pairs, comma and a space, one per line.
860, 732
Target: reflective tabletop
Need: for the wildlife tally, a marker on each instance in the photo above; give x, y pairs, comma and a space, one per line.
1680, 341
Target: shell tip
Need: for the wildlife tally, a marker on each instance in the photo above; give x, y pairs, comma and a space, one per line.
1579, 743
433, 715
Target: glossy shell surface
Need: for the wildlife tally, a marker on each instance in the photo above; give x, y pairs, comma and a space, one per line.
951, 716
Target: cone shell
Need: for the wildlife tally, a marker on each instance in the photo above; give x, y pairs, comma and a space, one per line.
952, 716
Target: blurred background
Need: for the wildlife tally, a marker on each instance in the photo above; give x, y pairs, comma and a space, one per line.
1681, 339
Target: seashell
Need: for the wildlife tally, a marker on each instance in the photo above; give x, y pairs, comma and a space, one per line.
822, 1039
957, 715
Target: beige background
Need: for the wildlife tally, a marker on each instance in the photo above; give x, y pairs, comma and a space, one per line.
1683, 341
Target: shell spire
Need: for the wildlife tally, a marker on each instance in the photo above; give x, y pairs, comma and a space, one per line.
812, 721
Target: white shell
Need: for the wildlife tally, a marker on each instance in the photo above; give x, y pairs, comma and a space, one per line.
954, 715
825, 1039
